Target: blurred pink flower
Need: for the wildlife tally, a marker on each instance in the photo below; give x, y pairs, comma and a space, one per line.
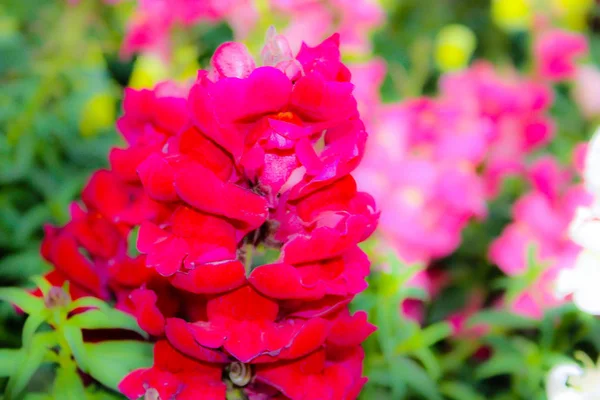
541, 221
425, 205
313, 20
516, 110
556, 51
367, 78
421, 165
150, 28
586, 90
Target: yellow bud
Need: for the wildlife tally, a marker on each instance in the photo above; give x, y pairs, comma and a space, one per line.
454, 47
147, 71
512, 15
573, 13
98, 114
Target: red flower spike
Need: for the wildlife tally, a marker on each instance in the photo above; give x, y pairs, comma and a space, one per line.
240, 199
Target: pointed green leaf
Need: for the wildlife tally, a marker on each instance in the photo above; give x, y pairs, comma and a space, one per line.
42, 283
68, 385
106, 319
502, 319
111, 361
417, 379
74, 338
88, 302
29, 363
22, 299
32, 324
459, 391
501, 364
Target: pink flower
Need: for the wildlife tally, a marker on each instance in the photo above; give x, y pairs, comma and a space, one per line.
319, 18
556, 51
541, 221
420, 166
150, 28
515, 110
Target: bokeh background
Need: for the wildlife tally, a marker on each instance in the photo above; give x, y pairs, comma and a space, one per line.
453, 323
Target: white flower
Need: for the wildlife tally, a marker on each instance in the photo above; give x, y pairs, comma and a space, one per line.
571, 381
592, 165
582, 280
585, 229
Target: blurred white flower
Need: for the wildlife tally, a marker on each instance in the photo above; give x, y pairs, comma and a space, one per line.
592, 166
571, 381
582, 280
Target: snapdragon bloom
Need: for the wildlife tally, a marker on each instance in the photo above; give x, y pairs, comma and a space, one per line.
516, 109
541, 219
556, 52
318, 18
310, 21
421, 166
239, 198
150, 28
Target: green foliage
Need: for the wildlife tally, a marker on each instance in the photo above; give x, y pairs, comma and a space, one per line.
53, 333
108, 365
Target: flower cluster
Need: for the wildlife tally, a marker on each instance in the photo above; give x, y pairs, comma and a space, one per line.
429, 153
537, 236
154, 20
239, 198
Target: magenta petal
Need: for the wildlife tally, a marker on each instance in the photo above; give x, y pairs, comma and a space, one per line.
183, 340
167, 256
157, 177
211, 195
282, 281
233, 59
211, 278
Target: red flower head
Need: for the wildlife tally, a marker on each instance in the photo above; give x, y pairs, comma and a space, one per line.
249, 222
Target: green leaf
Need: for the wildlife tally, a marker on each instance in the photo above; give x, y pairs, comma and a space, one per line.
68, 385
74, 338
501, 364
460, 391
22, 299
426, 337
29, 363
502, 319
32, 324
429, 361
88, 302
106, 319
9, 360
42, 283
417, 379
111, 361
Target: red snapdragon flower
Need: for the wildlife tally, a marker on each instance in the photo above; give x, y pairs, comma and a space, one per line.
249, 221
